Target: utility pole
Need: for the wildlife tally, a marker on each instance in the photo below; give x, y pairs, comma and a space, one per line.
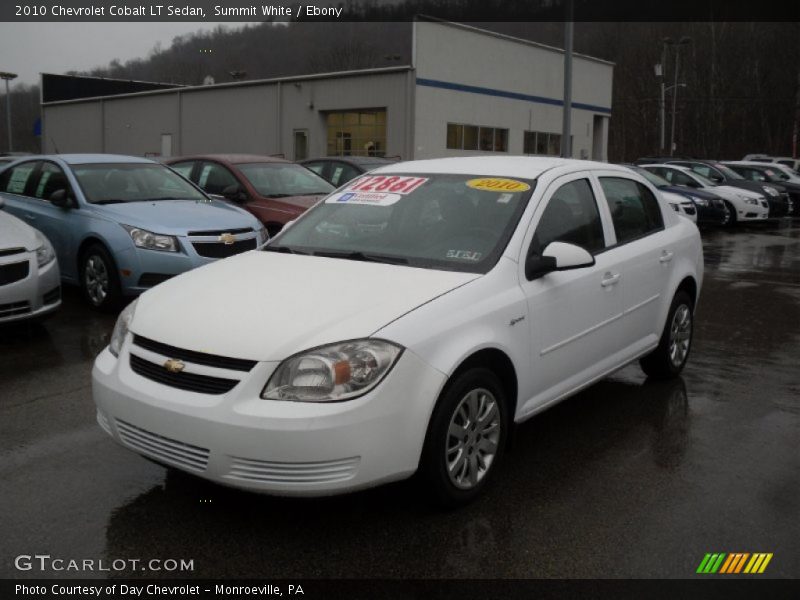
566, 124
8, 77
661, 73
681, 42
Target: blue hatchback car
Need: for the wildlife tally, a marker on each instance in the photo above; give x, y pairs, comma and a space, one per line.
120, 224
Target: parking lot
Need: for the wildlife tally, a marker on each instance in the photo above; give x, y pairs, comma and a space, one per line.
627, 479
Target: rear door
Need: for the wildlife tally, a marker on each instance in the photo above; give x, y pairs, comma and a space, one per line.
645, 253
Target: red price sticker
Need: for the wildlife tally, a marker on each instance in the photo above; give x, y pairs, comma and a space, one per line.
394, 184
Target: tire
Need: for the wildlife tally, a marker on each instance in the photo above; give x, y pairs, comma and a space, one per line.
455, 471
98, 278
672, 352
731, 222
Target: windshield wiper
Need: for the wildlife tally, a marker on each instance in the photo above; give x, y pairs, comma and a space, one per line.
110, 201
358, 255
282, 249
278, 195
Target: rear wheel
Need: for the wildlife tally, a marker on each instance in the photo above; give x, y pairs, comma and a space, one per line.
466, 438
99, 281
672, 352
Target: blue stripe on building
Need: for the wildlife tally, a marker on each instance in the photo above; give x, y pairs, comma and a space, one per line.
474, 89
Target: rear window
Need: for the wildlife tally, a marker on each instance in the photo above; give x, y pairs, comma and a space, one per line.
635, 212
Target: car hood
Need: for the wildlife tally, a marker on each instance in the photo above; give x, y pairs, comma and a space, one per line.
302, 202
16, 234
753, 186
674, 198
267, 306
178, 217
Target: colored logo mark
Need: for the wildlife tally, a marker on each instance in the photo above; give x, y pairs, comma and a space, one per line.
737, 562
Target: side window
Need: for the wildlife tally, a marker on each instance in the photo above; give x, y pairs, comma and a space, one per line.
51, 179
316, 167
184, 168
215, 178
341, 173
571, 216
15, 180
634, 210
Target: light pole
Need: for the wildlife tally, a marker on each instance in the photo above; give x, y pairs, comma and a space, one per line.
661, 73
681, 42
8, 77
566, 123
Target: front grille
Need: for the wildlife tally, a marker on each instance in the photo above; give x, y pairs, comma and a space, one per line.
163, 448
191, 382
220, 250
690, 210
765, 204
718, 204
247, 469
199, 358
14, 272
153, 279
14, 308
11, 251
220, 232
52, 296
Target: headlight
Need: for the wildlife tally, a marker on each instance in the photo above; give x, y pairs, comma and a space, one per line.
771, 190
121, 328
332, 373
751, 201
699, 201
44, 253
152, 241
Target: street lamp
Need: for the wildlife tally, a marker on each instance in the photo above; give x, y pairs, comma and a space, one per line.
681, 42
8, 77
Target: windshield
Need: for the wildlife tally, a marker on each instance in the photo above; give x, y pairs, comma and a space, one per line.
109, 183
728, 172
704, 180
656, 180
280, 180
448, 222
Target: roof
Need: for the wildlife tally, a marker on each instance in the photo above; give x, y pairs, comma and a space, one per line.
527, 167
234, 159
81, 159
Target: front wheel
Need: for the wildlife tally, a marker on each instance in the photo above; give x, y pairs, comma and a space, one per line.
466, 438
730, 215
669, 358
99, 281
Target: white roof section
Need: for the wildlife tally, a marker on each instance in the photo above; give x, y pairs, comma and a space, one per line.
526, 167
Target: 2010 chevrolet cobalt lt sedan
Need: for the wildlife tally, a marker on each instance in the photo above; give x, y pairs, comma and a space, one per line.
404, 325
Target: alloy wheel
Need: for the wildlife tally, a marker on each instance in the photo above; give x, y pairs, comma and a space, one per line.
680, 335
95, 278
472, 438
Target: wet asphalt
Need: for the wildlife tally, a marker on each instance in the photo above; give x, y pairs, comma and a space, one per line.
627, 479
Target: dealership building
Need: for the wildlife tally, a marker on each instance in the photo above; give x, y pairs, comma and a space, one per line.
466, 91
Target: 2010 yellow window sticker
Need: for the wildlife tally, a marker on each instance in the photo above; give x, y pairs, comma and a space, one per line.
498, 184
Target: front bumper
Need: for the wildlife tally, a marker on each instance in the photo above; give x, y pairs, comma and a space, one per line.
36, 295
286, 448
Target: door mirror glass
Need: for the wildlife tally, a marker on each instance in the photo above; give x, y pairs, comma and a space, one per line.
60, 198
235, 193
558, 256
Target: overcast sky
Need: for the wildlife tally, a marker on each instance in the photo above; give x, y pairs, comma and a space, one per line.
32, 48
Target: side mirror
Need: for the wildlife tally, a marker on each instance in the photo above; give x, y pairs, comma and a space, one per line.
60, 198
558, 256
235, 193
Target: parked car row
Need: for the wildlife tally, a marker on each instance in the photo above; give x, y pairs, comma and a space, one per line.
748, 191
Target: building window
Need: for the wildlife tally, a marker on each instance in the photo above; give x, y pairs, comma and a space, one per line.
359, 132
540, 142
474, 137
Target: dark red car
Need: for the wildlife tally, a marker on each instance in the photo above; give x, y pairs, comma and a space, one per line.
275, 190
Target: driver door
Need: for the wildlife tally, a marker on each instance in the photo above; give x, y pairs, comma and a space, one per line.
575, 315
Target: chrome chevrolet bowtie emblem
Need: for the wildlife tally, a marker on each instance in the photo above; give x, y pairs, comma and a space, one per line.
174, 366
227, 239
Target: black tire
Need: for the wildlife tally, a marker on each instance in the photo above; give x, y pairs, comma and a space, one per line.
667, 361
439, 444
732, 212
95, 261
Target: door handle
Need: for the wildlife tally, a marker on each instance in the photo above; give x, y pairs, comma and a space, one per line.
609, 279
666, 256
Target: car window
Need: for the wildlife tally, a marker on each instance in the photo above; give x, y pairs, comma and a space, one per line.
317, 167
105, 183
341, 173
184, 168
51, 179
635, 212
15, 179
279, 179
214, 178
571, 216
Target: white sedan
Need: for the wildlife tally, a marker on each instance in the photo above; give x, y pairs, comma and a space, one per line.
29, 278
405, 324
744, 205
681, 205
